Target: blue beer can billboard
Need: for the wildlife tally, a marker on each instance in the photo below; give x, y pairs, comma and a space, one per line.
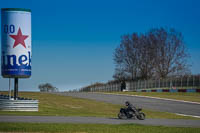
16, 43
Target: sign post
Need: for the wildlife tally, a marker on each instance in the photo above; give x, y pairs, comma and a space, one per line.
9, 90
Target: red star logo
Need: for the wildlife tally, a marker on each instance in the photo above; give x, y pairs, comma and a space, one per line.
19, 39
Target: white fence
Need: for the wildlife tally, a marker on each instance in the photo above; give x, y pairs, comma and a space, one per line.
179, 82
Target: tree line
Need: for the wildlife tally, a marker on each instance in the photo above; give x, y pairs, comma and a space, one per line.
158, 53
47, 87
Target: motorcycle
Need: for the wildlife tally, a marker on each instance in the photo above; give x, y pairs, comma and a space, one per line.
129, 114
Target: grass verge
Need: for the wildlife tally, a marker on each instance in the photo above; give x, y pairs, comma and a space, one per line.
57, 105
91, 128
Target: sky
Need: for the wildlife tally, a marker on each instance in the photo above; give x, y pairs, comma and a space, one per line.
73, 41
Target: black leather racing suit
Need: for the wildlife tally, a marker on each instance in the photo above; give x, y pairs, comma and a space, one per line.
130, 108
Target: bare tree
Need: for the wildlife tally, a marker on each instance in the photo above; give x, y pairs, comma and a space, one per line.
120, 74
171, 54
125, 57
156, 54
145, 58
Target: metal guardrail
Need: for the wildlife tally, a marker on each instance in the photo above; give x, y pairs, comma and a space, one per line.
18, 105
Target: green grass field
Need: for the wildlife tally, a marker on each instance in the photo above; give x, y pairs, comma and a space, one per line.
91, 128
56, 105
193, 97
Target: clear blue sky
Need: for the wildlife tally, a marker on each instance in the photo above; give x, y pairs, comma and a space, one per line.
73, 41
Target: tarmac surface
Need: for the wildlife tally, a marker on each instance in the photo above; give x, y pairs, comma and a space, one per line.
143, 102
99, 120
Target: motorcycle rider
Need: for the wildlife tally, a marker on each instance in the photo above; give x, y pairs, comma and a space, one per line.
129, 108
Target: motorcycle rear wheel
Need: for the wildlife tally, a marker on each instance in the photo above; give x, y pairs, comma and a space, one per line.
122, 116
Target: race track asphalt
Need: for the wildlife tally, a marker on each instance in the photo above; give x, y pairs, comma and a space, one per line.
100, 120
144, 102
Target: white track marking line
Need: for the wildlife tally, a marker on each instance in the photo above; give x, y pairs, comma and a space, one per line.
188, 115
155, 98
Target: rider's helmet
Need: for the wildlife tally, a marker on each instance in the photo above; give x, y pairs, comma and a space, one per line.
127, 103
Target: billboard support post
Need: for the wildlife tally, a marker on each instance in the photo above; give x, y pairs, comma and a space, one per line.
16, 89
9, 93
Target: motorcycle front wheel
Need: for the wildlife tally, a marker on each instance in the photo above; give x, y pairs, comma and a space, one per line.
141, 116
